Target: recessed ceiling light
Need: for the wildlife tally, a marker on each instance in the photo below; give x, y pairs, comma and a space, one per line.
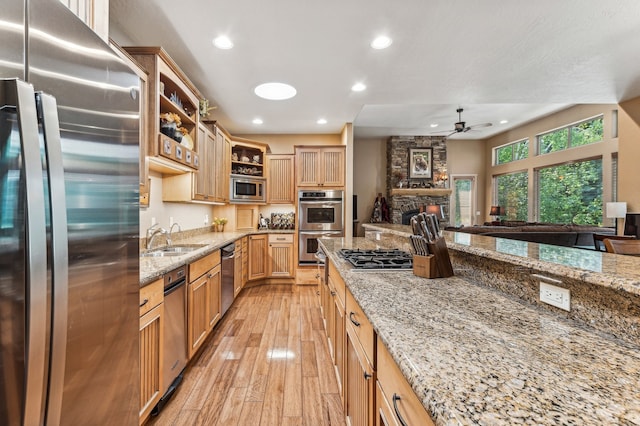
433, 125
504, 121
275, 91
257, 121
358, 87
223, 42
322, 121
381, 42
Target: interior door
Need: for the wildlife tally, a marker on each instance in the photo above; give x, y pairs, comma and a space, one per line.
463, 200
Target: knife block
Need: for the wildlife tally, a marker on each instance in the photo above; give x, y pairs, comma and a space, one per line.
425, 266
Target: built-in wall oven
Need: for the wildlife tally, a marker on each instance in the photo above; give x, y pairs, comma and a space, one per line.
320, 214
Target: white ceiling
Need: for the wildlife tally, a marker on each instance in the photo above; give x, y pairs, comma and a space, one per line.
498, 59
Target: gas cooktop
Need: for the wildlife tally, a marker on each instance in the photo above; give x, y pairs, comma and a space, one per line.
379, 259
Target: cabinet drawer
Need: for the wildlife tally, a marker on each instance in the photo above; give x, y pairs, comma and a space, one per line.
362, 327
151, 296
397, 393
280, 238
202, 265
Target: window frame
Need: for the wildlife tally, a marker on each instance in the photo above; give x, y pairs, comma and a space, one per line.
568, 128
512, 145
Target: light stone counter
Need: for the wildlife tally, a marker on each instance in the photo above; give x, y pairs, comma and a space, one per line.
475, 355
152, 268
590, 266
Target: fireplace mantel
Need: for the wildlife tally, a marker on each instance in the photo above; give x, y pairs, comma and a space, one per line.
434, 192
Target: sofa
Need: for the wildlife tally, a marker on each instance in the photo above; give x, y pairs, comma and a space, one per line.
546, 233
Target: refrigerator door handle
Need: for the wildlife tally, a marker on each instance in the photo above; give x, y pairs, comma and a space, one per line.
20, 95
48, 116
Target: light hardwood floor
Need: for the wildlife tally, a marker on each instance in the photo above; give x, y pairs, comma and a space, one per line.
266, 363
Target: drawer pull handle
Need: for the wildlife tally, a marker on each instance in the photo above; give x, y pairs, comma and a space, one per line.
144, 302
333, 293
396, 398
356, 323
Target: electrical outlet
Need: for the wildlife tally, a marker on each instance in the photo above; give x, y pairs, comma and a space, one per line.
555, 296
206, 219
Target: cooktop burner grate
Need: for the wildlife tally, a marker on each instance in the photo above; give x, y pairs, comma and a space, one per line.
378, 259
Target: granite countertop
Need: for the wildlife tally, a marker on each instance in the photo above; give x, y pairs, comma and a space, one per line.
152, 268
599, 268
474, 355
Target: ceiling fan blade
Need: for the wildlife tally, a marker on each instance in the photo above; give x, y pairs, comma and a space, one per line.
440, 132
478, 126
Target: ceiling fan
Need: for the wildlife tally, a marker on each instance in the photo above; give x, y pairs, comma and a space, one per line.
461, 126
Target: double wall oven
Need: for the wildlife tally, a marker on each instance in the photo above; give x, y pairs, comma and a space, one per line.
320, 214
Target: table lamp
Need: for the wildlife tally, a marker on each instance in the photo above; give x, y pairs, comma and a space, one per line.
434, 209
497, 212
615, 211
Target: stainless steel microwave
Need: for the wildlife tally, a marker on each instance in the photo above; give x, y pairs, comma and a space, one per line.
246, 189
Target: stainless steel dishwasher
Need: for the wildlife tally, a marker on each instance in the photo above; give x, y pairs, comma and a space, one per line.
227, 255
175, 333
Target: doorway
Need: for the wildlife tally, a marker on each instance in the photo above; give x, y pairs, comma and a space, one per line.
463, 200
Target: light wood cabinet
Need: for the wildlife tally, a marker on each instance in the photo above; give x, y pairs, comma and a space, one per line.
335, 321
396, 402
143, 100
170, 91
222, 165
320, 166
151, 340
280, 179
281, 256
257, 257
237, 269
203, 300
94, 13
245, 260
203, 179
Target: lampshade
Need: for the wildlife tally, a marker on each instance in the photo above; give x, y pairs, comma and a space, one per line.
495, 211
434, 209
616, 210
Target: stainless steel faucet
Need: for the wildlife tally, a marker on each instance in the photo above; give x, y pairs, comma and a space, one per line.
169, 242
152, 233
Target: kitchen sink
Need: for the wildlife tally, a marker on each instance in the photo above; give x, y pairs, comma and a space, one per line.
173, 250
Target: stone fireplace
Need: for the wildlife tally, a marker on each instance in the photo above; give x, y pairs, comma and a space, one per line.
407, 200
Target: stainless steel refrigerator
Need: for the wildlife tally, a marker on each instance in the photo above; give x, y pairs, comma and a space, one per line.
68, 222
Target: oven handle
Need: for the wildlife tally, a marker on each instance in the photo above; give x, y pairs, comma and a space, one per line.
329, 203
320, 233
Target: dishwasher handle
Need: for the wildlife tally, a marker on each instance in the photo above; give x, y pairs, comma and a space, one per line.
175, 286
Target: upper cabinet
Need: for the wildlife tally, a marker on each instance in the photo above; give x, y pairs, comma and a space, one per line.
248, 157
143, 100
173, 104
320, 166
94, 13
280, 179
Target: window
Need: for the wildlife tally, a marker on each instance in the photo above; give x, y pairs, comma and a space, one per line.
511, 152
579, 134
512, 195
463, 200
571, 193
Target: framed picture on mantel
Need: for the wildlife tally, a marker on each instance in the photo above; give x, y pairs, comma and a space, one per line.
420, 163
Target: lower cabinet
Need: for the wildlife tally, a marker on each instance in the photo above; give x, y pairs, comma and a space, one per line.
151, 339
281, 256
396, 403
245, 260
257, 257
203, 300
237, 270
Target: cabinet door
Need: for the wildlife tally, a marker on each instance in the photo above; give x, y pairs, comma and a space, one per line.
237, 270
307, 166
257, 257
215, 288
280, 179
281, 260
360, 381
151, 386
339, 344
198, 300
222, 167
332, 163
245, 260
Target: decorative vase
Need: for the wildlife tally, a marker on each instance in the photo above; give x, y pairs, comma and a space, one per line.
167, 128
219, 227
